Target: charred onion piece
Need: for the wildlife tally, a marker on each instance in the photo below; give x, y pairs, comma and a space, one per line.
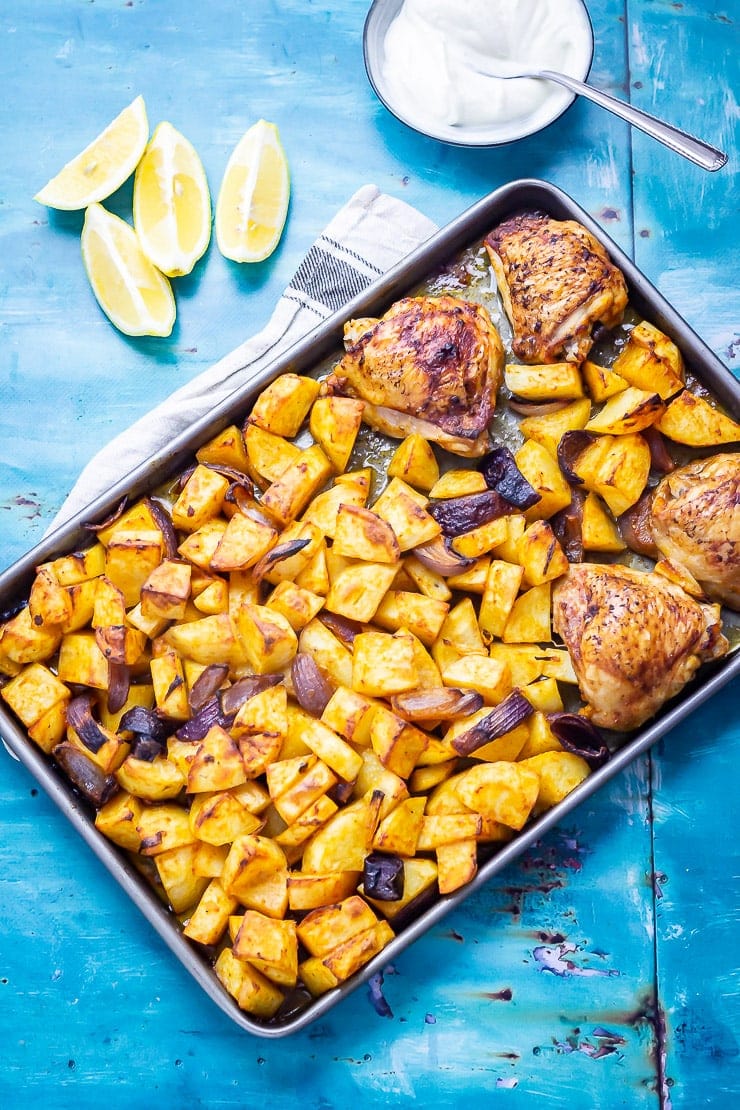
276, 554
150, 732
80, 718
206, 684
635, 528
119, 682
457, 515
310, 684
660, 458
383, 877
208, 715
535, 408
12, 609
238, 477
440, 559
445, 703
163, 520
570, 447
568, 526
85, 774
578, 735
343, 628
233, 698
512, 711
503, 475
341, 792
110, 519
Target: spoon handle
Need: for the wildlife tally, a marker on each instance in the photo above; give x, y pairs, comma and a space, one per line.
704, 155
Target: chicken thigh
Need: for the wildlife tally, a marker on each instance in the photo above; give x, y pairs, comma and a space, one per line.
431, 365
635, 639
695, 521
556, 283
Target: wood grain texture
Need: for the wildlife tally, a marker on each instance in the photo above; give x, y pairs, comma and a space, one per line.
601, 970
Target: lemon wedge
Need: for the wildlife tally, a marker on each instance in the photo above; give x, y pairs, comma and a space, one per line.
131, 291
172, 205
103, 166
253, 199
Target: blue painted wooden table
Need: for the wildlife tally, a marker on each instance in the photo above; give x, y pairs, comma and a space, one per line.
601, 970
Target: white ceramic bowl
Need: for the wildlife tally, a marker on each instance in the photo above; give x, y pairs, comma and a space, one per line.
378, 20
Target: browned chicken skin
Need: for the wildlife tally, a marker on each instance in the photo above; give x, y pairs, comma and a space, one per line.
635, 639
556, 283
431, 365
695, 520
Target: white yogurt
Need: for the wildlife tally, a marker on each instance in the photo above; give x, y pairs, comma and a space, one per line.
433, 52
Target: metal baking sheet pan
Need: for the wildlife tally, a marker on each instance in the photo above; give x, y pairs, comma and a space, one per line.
321, 344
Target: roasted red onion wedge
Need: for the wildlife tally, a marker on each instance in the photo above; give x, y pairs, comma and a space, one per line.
570, 447
383, 877
440, 559
512, 711
277, 554
208, 715
206, 684
85, 774
443, 703
163, 521
635, 527
568, 526
110, 519
80, 718
457, 515
119, 683
503, 475
578, 735
233, 697
312, 688
343, 628
660, 457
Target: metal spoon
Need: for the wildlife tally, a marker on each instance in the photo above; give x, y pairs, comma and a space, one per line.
704, 155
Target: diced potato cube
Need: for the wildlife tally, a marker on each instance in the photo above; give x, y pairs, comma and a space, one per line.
323, 509
288, 495
358, 590
541, 555
457, 864
324, 928
490, 677
269, 455
309, 892
650, 360
458, 483
397, 744
599, 531
177, 874
33, 692
253, 991
558, 774
556, 381
503, 791
529, 621
419, 877
631, 410
347, 958
405, 510
334, 424
480, 541
217, 764
220, 818
500, 592
226, 448
81, 662
118, 820
398, 832
692, 420
282, 407
200, 546
420, 615
383, 664
157, 781
415, 463
23, 641
243, 543
163, 827
344, 841
201, 499
543, 473
49, 602
266, 637
210, 919
170, 688
349, 714
326, 744
269, 945
601, 382
361, 534
80, 566
327, 651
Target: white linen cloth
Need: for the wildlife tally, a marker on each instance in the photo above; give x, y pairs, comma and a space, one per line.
367, 236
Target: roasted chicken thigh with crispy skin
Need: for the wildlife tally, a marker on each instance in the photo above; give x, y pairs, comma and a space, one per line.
556, 283
635, 639
695, 521
431, 365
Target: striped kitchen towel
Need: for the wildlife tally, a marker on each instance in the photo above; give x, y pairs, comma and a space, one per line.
367, 236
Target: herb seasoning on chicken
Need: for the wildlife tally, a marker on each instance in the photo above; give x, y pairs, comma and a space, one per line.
556, 282
430, 365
